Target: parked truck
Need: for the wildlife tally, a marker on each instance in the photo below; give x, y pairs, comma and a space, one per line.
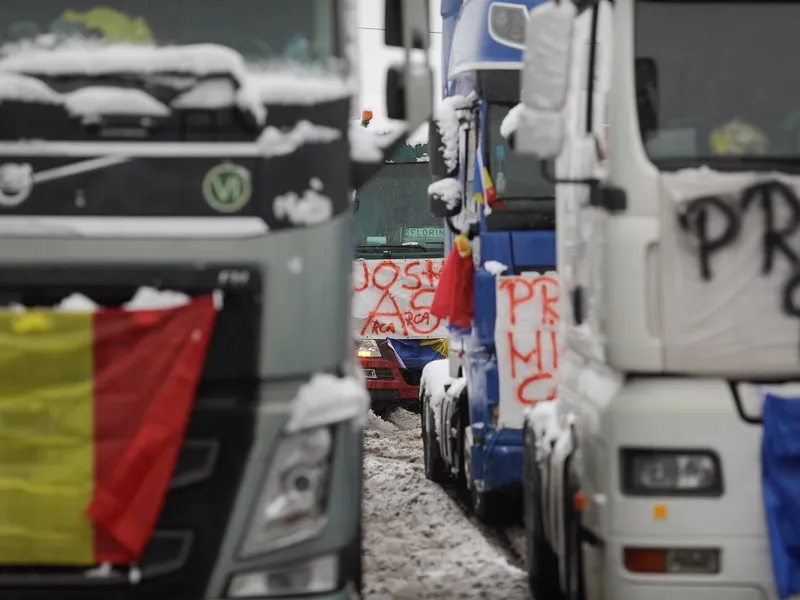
499, 212
399, 249
207, 444
666, 467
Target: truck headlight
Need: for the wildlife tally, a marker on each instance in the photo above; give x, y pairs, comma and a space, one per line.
292, 506
317, 576
671, 473
507, 24
368, 349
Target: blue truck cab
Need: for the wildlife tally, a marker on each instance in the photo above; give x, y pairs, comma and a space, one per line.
507, 208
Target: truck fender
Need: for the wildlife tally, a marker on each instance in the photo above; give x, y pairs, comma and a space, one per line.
557, 499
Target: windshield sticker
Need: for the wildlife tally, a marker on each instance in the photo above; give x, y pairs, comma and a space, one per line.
424, 234
16, 183
114, 25
500, 154
738, 138
378, 240
227, 187
392, 298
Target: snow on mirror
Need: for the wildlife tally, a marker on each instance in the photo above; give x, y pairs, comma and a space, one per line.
548, 54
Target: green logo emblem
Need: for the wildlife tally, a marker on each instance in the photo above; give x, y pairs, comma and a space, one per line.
227, 187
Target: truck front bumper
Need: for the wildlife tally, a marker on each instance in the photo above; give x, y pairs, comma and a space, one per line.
745, 572
386, 383
348, 592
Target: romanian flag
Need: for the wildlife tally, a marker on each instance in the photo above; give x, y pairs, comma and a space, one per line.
414, 354
93, 411
485, 192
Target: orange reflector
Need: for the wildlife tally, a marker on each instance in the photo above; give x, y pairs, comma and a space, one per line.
580, 501
366, 116
660, 512
646, 560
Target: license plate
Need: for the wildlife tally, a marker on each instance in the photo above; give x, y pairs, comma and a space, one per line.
370, 374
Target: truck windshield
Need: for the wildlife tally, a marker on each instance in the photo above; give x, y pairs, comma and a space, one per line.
392, 213
154, 70
724, 90
515, 176
303, 33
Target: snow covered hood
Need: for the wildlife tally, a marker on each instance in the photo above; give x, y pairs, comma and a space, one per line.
255, 87
300, 185
730, 273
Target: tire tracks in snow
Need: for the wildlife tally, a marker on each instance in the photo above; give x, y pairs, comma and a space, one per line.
421, 541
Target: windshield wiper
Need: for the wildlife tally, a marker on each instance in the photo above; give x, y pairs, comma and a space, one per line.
503, 198
387, 249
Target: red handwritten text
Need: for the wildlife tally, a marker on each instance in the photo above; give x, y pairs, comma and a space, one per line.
526, 335
393, 298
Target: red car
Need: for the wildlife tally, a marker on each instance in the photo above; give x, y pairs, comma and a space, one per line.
388, 383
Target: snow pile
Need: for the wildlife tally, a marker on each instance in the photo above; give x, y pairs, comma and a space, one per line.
449, 190
397, 438
435, 375
542, 417
22, 88
151, 298
274, 142
296, 85
418, 545
511, 121
145, 298
495, 267
93, 102
211, 94
312, 208
367, 144
375, 423
447, 119
328, 399
365, 147
77, 303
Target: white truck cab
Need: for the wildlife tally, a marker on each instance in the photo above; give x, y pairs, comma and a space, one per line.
678, 257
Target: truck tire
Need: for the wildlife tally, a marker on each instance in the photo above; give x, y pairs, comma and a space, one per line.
542, 562
489, 507
435, 469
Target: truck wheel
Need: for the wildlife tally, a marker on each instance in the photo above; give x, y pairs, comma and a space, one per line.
486, 506
435, 469
542, 562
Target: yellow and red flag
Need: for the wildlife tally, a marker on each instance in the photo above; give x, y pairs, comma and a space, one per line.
93, 411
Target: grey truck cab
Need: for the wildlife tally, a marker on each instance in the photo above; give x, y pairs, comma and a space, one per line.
202, 147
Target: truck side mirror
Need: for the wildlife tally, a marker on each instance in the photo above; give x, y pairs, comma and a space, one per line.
406, 24
545, 79
409, 94
409, 87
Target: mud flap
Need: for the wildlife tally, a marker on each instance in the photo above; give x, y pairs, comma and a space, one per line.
780, 475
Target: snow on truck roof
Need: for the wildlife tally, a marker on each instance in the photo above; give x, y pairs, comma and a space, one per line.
255, 85
367, 143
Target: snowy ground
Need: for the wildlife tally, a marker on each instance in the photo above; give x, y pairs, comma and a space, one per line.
419, 544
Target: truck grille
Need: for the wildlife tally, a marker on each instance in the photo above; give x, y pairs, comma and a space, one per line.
183, 550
